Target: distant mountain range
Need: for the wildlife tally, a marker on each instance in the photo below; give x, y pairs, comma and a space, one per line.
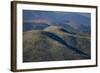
73, 21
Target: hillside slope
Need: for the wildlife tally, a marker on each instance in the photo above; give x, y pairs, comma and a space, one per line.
53, 44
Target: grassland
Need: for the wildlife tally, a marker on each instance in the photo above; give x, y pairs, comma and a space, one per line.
53, 44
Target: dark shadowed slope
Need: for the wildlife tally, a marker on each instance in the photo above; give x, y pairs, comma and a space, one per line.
60, 40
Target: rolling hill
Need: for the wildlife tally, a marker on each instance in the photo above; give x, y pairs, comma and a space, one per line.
54, 43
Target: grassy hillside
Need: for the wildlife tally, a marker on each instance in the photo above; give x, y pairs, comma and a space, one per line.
53, 44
